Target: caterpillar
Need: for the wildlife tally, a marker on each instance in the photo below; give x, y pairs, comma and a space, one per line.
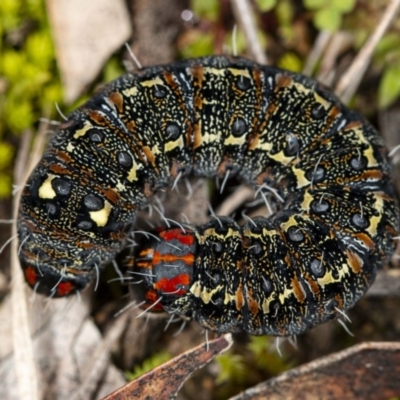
216, 116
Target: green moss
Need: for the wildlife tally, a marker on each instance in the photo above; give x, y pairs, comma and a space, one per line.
150, 363
29, 84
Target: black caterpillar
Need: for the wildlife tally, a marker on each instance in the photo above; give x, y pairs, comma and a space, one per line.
316, 256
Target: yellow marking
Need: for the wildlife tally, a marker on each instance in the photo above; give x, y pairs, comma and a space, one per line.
204, 294
132, 176
283, 296
46, 191
263, 146
171, 145
305, 206
155, 150
130, 92
211, 101
290, 222
232, 140
100, 217
239, 72
368, 153
374, 221
82, 131
265, 306
70, 147
281, 158
301, 177
301, 88
326, 104
120, 187
328, 278
210, 137
211, 232
152, 82
214, 71
229, 298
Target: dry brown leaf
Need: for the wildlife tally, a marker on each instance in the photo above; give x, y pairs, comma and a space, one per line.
165, 380
86, 33
367, 371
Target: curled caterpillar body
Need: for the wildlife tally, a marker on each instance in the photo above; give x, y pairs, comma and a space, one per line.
215, 116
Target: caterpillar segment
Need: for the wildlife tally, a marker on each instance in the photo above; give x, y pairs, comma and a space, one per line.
217, 116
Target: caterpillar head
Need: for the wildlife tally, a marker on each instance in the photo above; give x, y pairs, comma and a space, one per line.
51, 268
63, 239
166, 264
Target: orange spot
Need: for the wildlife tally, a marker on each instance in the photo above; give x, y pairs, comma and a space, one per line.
118, 100
144, 264
62, 155
31, 276
177, 234
239, 298
98, 118
171, 285
58, 169
151, 297
355, 261
148, 252
298, 290
149, 155
366, 240
170, 258
65, 288
374, 174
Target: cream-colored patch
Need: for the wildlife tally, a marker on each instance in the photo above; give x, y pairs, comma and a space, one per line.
265, 305
132, 176
281, 158
229, 298
328, 277
152, 82
100, 217
264, 146
120, 187
233, 140
305, 206
301, 177
289, 223
210, 137
46, 191
203, 293
283, 296
239, 72
369, 154
214, 71
70, 147
155, 150
130, 92
374, 221
171, 145
81, 132
326, 104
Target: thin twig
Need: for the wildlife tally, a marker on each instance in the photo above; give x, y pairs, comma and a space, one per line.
339, 41
316, 52
235, 200
349, 82
25, 366
245, 17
